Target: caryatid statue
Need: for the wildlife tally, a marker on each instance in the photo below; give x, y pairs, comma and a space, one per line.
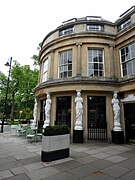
79, 111
116, 112
47, 111
35, 113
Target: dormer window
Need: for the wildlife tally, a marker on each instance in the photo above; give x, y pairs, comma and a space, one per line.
124, 24
66, 31
95, 27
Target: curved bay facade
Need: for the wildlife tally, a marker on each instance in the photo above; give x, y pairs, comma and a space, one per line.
97, 58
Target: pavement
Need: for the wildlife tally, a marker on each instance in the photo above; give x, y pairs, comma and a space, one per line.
93, 160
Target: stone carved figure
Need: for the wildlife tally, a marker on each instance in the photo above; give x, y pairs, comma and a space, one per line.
79, 111
35, 113
47, 111
116, 112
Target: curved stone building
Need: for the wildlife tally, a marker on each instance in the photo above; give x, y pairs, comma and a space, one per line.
97, 58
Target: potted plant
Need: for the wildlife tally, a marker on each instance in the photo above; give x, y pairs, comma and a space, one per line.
55, 143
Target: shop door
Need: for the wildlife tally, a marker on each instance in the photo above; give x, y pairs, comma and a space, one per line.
97, 127
63, 112
129, 114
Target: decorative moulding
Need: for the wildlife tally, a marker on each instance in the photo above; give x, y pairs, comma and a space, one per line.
129, 98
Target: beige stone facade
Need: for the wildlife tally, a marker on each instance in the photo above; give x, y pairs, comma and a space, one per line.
95, 48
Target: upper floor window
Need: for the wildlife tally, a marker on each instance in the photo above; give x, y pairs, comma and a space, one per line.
95, 62
95, 27
66, 31
45, 70
65, 64
124, 24
127, 54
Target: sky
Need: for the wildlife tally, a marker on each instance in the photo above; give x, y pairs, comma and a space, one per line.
25, 23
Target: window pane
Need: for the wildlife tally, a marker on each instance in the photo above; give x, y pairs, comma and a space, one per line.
133, 51
95, 73
96, 66
95, 56
100, 66
66, 31
100, 73
129, 67
95, 27
65, 64
127, 59
45, 69
134, 66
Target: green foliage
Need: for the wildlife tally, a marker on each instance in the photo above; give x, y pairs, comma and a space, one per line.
36, 59
56, 130
3, 85
20, 93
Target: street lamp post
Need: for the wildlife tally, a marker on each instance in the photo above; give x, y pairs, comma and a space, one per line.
5, 106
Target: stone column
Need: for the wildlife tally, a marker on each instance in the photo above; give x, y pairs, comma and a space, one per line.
78, 58
112, 67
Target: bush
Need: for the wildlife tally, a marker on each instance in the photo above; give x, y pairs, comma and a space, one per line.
56, 130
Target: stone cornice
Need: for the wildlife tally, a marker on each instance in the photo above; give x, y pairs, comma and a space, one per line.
86, 81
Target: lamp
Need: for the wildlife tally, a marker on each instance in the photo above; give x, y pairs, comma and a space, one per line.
5, 106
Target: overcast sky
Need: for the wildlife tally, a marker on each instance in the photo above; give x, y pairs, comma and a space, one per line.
25, 23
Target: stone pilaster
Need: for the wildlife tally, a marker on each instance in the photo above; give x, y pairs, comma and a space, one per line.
112, 67
78, 58
51, 65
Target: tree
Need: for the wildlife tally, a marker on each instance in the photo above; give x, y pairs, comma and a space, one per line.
16, 75
24, 81
3, 85
36, 57
20, 94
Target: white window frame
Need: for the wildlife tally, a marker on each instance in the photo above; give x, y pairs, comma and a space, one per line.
128, 58
45, 70
96, 63
66, 31
65, 65
95, 27
124, 24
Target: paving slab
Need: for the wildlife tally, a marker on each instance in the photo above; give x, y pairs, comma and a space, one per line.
98, 176
18, 170
6, 174
61, 176
19, 177
115, 171
86, 159
129, 163
30, 160
83, 170
65, 166
93, 151
129, 176
81, 149
102, 164
42, 173
100, 155
34, 166
116, 159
